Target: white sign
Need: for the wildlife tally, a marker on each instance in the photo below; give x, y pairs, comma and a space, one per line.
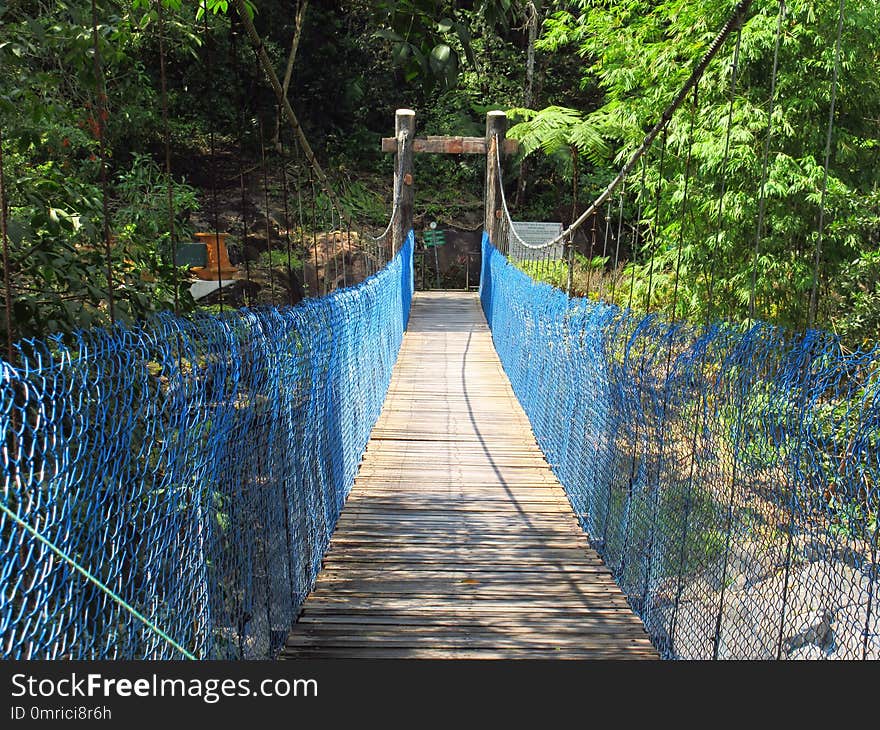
535, 233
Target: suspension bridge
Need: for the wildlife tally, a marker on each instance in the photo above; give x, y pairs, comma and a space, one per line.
457, 540
384, 472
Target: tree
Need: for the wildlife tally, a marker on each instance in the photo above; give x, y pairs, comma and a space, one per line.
639, 53
53, 110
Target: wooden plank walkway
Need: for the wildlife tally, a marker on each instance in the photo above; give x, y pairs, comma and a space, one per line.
457, 541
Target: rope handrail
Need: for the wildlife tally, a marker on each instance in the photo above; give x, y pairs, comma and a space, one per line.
508, 218
736, 17
398, 191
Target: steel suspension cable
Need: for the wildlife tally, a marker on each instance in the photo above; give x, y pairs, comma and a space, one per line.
684, 212
314, 228
269, 251
724, 161
605, 238
233, 44
88, 575
590, 256
301, 222
211, 95
285, 191
657, 199
7, 277
617, 247
638, 232
733, 22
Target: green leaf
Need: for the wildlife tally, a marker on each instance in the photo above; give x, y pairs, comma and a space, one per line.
400, 53
441, 56
388, 34
464, 35
443, 62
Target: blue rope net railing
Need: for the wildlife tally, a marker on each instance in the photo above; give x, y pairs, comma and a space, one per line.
195, 468
728, 477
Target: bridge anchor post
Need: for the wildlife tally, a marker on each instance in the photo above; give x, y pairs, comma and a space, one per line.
404, 121
496, 131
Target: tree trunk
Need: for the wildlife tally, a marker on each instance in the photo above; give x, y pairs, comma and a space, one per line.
528, 92
301, 8
287, 110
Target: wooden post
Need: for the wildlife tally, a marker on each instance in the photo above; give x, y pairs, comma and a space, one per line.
404, 120
496, 129
570, 258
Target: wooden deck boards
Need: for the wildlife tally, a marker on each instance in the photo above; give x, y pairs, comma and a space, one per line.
457, 541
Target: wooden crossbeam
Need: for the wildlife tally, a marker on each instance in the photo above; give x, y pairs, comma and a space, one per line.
450, 145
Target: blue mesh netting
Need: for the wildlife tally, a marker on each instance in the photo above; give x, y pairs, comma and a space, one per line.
197, 467
729, 478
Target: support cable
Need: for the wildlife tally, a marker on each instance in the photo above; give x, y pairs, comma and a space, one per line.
736, 18
7, 278
166, 138
657, 200
269, 251
211, 95
95, 581
724, 160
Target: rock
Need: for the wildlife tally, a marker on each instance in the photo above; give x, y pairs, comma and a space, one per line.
259, 226
814, 551
850, 557
807, 652
311, 283
746, 632
828, 605
813, 628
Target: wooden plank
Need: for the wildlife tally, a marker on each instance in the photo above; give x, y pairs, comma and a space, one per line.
457, 540
450, 145
461, 640
499, 562
467, 587
387, 652
396, 578
392, 541
440, 549
433, 606
452, 617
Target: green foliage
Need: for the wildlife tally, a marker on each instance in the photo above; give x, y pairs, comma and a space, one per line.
587, 274
558, 129
431, 40
50, 115
855, 300
852, 519
277, 258
363, 203
639, 53
140, 221
604, 71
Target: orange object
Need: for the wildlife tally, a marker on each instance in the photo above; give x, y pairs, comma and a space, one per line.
213, 271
